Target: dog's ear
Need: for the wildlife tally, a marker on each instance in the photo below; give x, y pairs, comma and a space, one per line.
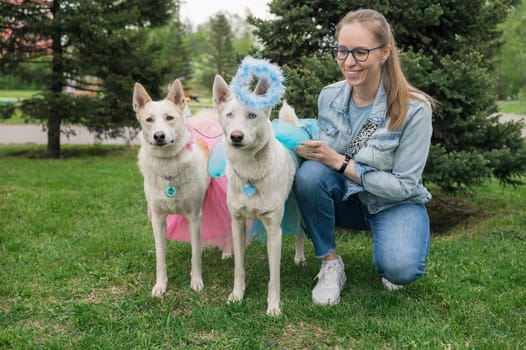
140, 97
176, 94
221, 92
262, 87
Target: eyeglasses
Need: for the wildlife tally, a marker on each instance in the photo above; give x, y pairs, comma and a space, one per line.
360, 54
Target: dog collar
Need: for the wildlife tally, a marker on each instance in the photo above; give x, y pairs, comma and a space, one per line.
170, 190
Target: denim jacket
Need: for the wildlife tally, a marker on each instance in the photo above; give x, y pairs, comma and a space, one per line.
392, 161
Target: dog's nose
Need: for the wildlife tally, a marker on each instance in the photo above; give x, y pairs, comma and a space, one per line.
159, 136
236, 136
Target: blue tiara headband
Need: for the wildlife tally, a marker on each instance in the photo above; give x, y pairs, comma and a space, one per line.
260, 69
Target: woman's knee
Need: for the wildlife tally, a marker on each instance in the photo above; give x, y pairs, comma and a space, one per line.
400, 268
401, 243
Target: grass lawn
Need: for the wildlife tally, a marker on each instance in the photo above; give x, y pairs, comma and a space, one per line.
513, 107
77, 264
8, 97
16, 94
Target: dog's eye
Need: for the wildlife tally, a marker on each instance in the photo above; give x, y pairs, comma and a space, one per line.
229, 115
252, 115
149, 119
170, 117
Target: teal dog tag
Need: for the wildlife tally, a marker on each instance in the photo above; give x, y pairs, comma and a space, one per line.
170, 191
249, 189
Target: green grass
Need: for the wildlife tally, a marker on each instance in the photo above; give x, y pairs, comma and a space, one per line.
513, 107
8, 97
16, 94
77, 265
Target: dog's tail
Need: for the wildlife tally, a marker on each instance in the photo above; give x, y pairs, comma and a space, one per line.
287, 114
290, 130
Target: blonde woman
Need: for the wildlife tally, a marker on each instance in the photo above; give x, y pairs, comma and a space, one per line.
365, 171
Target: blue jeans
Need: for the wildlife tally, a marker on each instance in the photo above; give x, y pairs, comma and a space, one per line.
401, 234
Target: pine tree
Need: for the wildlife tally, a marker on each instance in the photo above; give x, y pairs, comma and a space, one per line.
448, 49
96, 47
218, 53
173, 45
218, 46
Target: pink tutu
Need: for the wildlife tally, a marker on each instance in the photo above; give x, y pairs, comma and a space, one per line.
215, 227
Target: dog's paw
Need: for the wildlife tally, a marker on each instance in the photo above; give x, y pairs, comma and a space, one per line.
273, 310
197, 284
235, 297
300, 260
226, 255
299, 255
158, 290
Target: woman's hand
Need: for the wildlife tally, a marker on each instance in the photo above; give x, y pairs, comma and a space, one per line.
320, 151
323, 153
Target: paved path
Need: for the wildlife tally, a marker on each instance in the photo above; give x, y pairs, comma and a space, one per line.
35, 134
31, 133
508, 117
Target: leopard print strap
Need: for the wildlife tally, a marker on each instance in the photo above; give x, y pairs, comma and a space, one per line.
361, 139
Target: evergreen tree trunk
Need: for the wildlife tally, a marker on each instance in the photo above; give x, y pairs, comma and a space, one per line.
57, 77
53, 137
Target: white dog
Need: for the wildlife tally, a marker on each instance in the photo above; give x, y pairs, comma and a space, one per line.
260, 173
175, 174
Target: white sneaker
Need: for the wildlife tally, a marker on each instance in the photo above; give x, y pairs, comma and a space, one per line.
391, 286
331, 280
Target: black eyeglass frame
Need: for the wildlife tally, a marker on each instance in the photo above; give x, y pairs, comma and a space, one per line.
337, 48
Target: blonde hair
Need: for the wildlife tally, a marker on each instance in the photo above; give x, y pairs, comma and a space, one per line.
398, 89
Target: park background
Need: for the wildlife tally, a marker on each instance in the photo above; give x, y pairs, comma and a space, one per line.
77, 258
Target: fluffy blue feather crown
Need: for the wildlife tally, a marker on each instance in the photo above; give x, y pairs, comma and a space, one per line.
261, 69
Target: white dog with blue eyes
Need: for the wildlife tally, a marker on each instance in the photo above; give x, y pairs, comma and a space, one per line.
260, 170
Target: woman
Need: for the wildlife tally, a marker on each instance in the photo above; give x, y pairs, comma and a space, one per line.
365, 171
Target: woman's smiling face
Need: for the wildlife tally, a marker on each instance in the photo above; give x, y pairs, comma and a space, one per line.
366, 74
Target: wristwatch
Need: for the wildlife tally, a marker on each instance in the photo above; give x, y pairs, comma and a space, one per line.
344, 164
